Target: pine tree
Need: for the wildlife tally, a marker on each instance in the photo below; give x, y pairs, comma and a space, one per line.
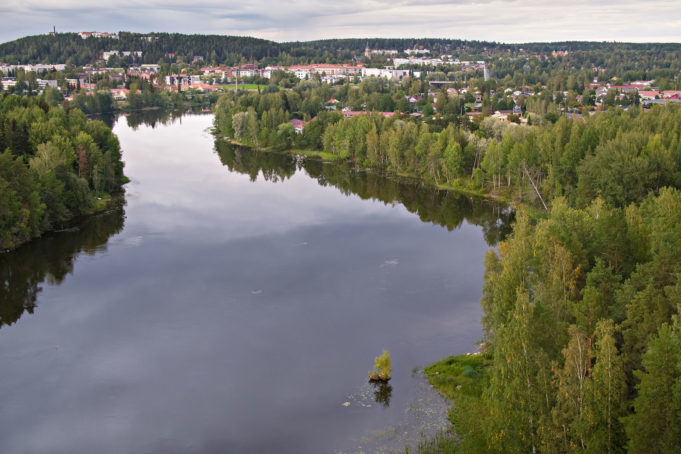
655, 425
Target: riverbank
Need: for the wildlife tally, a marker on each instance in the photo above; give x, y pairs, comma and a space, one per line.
459, 185
461, 381
101, 205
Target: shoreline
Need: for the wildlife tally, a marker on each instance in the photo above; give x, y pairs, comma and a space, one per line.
102, 205
330, 158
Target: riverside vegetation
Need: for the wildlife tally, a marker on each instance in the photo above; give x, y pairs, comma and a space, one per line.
581, 308
618, 155
581, 326
55, 165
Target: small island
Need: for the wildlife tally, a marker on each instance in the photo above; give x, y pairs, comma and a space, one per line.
382, 368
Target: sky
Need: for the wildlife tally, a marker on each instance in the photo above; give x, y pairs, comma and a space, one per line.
509, 21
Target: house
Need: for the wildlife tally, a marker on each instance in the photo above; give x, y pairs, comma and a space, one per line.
671, 94
648, 94
119, 94
46, 83
389, 74
624, 88
298, 125
601, 91
151, 68
267, 72
8, 82
301, 71
86, 35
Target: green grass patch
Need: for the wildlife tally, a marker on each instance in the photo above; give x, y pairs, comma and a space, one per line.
462, 380
100, 204
457, 375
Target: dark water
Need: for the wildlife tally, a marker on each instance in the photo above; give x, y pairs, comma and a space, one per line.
235, 304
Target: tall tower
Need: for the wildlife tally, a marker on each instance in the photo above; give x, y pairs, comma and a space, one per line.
367, 51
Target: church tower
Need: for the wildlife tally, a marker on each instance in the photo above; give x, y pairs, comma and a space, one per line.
367, 51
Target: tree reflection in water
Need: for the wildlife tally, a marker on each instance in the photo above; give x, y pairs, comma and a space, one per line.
448, 209
51, 259
382, 392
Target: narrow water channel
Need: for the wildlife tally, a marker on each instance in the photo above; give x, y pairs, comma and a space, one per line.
235, 303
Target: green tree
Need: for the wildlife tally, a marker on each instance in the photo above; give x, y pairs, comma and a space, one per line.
606, 401
655, 425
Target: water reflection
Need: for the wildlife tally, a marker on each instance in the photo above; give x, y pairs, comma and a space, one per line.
153, 118
50, 259
148, 117
382, 392
445, 208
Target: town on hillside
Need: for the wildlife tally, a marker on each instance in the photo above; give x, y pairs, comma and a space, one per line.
477, 83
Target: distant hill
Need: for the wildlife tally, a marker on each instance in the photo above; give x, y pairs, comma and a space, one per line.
70, 48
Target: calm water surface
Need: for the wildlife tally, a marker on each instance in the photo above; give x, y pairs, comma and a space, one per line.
235, 303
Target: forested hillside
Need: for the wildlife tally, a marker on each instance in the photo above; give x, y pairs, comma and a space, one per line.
71, 49
526, 63
55, 165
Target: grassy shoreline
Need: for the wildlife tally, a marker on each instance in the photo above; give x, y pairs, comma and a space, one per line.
460, 380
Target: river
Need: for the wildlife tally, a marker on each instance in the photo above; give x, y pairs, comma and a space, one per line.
234, 302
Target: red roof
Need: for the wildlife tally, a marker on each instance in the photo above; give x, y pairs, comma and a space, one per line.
649, 94
671, 94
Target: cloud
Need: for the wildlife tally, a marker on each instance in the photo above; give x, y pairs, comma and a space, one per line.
492, 20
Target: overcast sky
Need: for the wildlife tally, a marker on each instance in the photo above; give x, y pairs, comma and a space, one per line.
490, 20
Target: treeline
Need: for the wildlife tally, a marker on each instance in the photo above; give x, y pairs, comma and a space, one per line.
56, 164
584, 60
617, 155
71, 49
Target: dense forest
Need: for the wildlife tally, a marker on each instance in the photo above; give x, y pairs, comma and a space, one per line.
56, 164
